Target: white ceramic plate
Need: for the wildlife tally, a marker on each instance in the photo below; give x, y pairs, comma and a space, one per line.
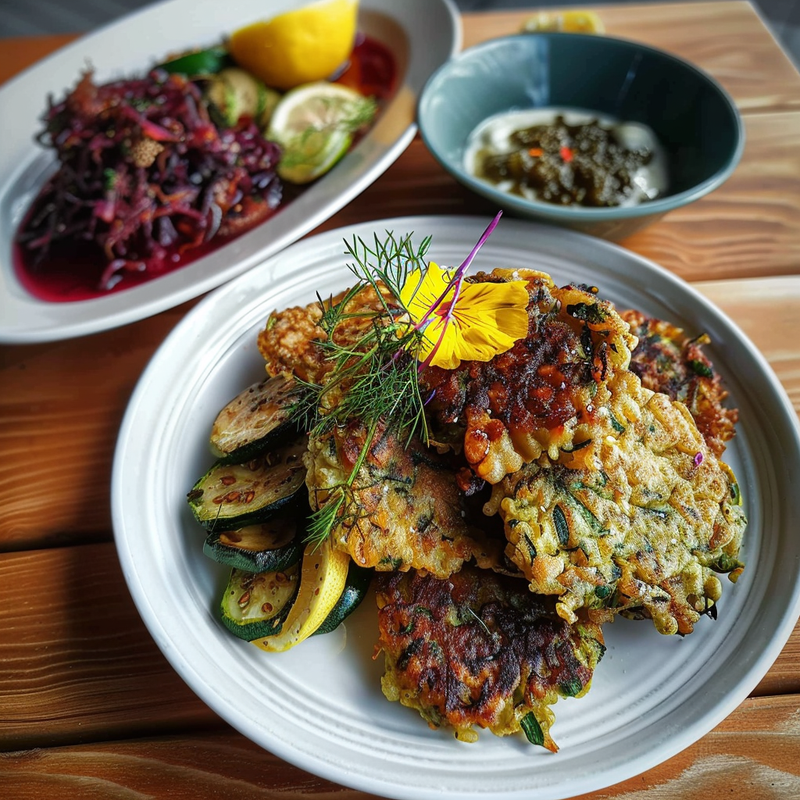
422, 34
320, 706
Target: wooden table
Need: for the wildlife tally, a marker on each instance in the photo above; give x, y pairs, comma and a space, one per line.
88, 705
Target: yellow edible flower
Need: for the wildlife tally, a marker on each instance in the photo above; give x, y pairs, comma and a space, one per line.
484, 320
464, 321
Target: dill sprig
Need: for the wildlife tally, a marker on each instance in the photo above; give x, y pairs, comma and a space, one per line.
373, 379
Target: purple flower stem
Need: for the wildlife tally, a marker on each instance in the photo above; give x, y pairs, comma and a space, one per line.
457, 280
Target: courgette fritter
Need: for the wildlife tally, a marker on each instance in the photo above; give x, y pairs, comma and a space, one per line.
479, 650
406, 510
543, 393
667, 360
638, 522
611, 499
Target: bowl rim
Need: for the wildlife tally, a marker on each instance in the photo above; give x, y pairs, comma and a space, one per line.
574, 213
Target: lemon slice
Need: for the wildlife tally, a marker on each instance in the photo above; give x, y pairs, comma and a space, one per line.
568, 21
297, 47
314, 126
322, 581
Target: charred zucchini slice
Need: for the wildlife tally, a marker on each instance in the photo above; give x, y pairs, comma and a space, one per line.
268, 547
232, 496
358, 581
256, 603
258, 418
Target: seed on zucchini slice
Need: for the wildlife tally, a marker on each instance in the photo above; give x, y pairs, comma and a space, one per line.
258, 418
356, 588
255, 604
232, 496
270, 546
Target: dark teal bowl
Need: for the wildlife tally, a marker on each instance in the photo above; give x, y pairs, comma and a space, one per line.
693, 117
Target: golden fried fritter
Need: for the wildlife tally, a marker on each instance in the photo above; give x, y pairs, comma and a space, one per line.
290, 339
407, 510
480, 650
534, 398
668, 361
543, 393
637, 522
610, 498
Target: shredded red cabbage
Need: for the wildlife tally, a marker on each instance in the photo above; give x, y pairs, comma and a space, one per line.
146, 174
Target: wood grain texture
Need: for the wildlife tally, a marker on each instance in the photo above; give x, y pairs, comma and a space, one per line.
77, 664
88, 382
60, 410
726, 39
748, 227
732, 760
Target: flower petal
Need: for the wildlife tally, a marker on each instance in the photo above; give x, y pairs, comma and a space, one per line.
476, 323
441, 344
501, 305
422, 289
487, 320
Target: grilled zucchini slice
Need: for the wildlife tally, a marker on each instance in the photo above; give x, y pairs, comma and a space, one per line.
258, 418
255, 604
232, 496
358, 581
269, 547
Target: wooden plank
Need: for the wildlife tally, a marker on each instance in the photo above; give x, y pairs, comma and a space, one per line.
742, 54
77, 663
731, 760
726, 39
749, 227
20, 52
56, 440
60, 410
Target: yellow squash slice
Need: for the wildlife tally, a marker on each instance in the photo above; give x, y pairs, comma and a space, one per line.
322, 581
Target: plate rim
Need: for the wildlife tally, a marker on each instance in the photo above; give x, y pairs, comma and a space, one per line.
420, 224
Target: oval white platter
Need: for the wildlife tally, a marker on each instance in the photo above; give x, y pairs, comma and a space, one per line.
422, 34
319, 705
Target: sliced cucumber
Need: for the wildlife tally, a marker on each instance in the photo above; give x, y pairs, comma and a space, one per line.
237, 94
258, 418
255, 604
220, 94
233, 496
271, 546
358, 581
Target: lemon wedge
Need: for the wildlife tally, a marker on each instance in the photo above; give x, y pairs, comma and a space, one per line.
314, 125
322, 580
568, 21
297, 47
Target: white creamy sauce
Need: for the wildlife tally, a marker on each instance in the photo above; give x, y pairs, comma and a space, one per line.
493, 137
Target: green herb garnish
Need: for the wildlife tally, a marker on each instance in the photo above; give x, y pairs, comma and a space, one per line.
374, 379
